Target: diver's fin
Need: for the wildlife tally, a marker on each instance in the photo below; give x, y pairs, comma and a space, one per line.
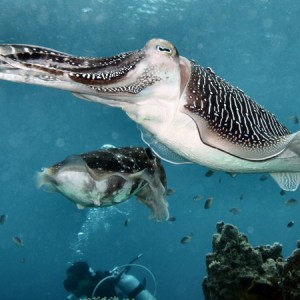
287, 181
160, 149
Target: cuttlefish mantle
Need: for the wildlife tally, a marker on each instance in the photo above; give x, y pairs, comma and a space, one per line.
187, 112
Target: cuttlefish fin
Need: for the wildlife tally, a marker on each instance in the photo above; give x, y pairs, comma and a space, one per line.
211, 138
287, 181
160, 149
294, 145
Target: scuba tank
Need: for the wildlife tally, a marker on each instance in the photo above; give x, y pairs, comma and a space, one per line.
130, 286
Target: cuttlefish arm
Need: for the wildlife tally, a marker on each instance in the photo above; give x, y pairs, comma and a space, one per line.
154, 193
48, 67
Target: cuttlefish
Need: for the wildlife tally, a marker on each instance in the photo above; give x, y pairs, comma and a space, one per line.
186, 112
110, 176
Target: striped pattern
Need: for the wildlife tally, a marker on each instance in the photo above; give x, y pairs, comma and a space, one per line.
229, 112
106, 70
80, 69
64, 61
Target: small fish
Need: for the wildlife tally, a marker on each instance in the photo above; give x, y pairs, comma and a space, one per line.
241, 196
198, 197
23, 260
186, 239
294, 119
232, 174
290, 224
170, 191
3, 219
235, 210
172, 219
290, 202
18, 241
86, 9
110, 176
208, 203
264, 177
282, 192
127, 221
209, 173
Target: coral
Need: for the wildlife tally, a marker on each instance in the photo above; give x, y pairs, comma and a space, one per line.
238, 271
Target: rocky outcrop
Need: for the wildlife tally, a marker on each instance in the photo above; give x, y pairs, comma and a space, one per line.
238, 271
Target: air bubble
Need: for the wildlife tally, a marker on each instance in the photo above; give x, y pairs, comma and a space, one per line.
60, 142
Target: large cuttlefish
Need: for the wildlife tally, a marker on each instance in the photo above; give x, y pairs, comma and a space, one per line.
187, 113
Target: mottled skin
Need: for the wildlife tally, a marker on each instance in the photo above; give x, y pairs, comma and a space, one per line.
111, 176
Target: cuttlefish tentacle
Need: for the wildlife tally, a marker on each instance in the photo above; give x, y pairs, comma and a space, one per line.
184, 107
37, 65
53, 61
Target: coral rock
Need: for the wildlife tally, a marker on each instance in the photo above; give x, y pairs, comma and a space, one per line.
238, 271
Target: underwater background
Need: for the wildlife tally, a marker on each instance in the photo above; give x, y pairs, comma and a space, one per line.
252, 44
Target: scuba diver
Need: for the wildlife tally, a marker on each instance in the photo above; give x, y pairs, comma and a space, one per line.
83, 282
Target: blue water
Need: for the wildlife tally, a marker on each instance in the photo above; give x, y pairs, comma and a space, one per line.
253, 44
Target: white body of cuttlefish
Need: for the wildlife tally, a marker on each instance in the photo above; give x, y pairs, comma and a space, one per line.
187, 113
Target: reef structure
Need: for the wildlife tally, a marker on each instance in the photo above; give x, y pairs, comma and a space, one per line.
238, 271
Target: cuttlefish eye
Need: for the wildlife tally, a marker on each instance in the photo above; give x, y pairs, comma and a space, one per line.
164, 49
